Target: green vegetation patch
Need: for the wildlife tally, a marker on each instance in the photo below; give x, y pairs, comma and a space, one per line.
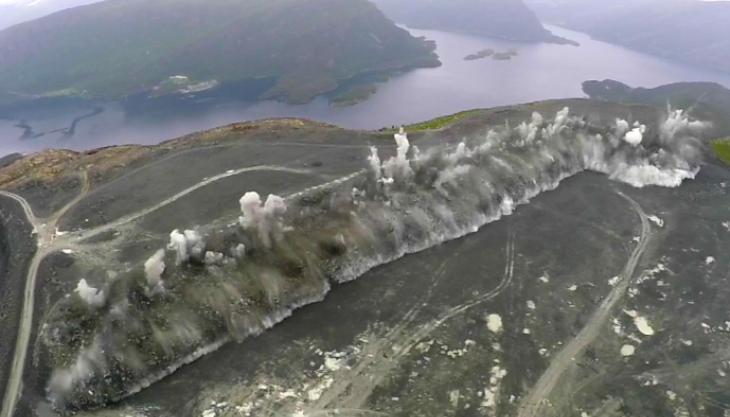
440, 122
721, 147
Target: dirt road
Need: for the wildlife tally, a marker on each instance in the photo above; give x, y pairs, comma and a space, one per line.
537, 402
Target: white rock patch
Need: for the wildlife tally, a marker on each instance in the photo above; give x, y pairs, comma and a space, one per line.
315, 393
628, 350
332, 364
616, 324
657, 221
642, 324
494, 323
490, 393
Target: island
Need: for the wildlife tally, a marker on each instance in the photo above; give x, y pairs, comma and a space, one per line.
505, 56
496, 55
484, 53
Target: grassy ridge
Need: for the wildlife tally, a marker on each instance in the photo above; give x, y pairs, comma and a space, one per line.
721, 147
440, 122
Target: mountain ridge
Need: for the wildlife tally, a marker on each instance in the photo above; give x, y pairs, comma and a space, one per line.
691, 31
505, 19
27, 10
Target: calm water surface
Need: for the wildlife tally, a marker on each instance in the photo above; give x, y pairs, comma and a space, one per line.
540, 71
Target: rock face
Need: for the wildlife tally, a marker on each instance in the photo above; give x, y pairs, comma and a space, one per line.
506, 19
114, 49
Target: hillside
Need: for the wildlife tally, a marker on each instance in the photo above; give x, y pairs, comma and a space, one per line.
706, 100
19, 11
505, 19
116, 48
692, 31
119, 302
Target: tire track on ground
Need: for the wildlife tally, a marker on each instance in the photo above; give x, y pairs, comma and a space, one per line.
536, 402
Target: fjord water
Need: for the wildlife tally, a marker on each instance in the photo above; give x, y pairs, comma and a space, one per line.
540, 71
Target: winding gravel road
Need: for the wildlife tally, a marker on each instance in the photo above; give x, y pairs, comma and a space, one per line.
537, 401
45, 230
50, 240
26, 319
85, 234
